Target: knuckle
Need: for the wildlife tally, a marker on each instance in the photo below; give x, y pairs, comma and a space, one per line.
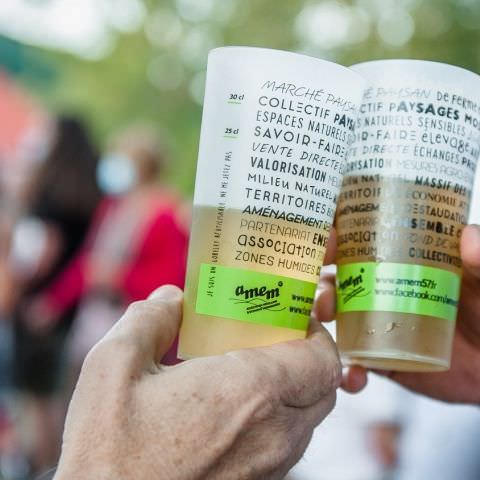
157, 309
138, 309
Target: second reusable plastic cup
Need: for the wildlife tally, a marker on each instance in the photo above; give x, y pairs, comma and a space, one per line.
403, 205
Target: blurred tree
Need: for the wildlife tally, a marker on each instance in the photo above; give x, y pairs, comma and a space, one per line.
25, 62
156, 74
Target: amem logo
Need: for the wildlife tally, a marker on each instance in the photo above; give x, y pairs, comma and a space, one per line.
352, 281
352, 287
258, 292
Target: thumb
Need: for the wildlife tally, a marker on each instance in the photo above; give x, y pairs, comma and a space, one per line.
469, 305
470, 251
149, 327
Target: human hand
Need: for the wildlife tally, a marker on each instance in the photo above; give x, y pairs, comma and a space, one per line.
460, 384
247, 415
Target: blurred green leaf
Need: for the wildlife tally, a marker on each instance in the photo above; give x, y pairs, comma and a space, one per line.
151, 78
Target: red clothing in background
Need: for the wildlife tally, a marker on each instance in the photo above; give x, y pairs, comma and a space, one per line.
152, 253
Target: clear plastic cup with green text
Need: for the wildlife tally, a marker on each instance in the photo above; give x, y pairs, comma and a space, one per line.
275, 132
404, 202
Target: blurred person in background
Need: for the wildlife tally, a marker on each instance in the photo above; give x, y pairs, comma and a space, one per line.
6, 295
137, 242
58, 204
12, 462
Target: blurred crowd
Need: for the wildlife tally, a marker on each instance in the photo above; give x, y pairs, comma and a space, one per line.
81, 236
85, 232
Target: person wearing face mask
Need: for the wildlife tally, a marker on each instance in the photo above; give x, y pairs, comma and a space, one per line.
55, 209
138, 240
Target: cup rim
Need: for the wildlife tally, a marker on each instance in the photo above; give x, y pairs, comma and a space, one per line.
290, 53
428, 63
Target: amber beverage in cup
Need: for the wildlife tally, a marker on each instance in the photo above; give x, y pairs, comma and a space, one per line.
276, 128
404, 202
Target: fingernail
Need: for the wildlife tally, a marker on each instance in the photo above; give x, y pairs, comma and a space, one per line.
166, 292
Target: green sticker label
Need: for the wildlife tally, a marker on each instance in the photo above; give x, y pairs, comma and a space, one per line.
254, 297
397, 287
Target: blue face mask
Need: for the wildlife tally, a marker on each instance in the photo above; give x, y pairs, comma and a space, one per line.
116, 174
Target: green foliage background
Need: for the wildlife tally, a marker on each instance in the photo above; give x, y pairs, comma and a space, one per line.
114, 91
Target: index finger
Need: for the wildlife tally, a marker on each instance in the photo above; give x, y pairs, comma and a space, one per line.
331, 250
146, 331
469, 305
470, 250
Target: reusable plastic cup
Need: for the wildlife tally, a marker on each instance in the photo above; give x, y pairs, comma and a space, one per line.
404, 202
275, 132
